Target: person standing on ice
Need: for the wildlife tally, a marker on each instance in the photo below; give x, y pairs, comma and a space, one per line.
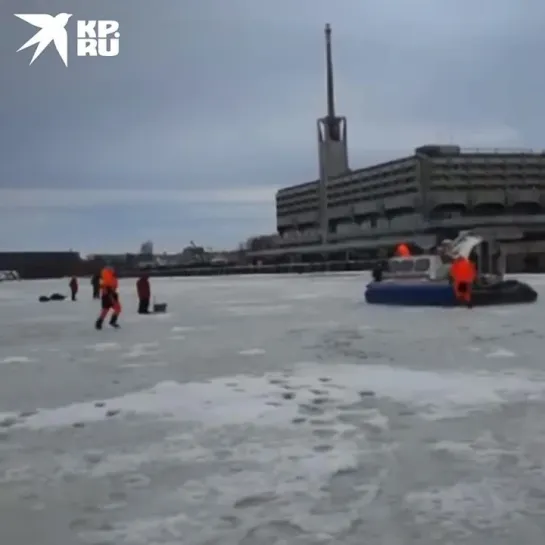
402, 250
109, 299
463, 275
95, 282
73, 284
143, 291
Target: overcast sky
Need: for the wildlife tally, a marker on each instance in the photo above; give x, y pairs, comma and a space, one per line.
211, 106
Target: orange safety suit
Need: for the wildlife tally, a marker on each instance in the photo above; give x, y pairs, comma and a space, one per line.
108, 280
109, 297
108, 286
463, 275
402, 250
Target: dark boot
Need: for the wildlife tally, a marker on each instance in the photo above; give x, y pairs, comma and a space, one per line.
113, 321
143, 306
98, 323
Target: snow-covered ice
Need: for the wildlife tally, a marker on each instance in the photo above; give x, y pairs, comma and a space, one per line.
269, 410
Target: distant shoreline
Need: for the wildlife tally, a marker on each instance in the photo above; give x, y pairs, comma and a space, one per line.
231, 270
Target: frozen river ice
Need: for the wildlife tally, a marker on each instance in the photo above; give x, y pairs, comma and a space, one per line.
270, 410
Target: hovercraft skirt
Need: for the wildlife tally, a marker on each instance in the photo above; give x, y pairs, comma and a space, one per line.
439, 294
410, 294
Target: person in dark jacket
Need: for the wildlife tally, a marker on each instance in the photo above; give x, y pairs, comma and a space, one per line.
95, 282
143, 290
379, 269
73, 284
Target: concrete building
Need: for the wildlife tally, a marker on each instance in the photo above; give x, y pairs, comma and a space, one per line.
435, 192
437, 182
146, 248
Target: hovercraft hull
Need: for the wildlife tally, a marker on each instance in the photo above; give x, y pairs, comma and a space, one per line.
440, 294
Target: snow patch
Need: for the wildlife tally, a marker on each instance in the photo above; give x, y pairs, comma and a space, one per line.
262, 310
15, 359
485, 449
276, 399
182, 329
138, 365
252, 352
103, 347
485, 504
302, 296
140, 350
291, 471
501, 353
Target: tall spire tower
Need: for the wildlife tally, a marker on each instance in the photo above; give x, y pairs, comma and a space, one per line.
332, 144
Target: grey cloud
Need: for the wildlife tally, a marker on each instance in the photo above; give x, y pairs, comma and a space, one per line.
226, 93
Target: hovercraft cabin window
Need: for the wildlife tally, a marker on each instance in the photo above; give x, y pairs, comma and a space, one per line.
402, 266
422, 264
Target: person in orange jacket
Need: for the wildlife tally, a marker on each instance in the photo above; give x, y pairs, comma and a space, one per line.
73, 285
402, 250
109, 298
463, 273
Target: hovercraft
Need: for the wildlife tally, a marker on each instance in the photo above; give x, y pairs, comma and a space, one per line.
423, 280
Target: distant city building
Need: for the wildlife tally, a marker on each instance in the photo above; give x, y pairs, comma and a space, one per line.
146, 248
261, 242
